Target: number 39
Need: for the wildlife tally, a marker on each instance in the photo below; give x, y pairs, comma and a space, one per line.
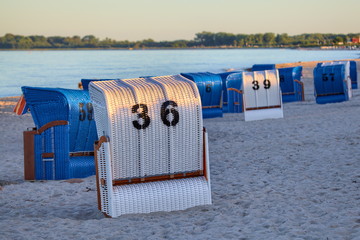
256, 86
143, 121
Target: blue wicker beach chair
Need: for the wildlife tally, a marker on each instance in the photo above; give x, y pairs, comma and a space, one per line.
330, 84
234, 93
290, 83
347, 76
224, 76
210, 88
61, 145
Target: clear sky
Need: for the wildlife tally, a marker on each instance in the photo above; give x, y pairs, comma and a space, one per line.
176, 19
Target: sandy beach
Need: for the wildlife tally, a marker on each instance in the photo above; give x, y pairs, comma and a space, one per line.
291, 178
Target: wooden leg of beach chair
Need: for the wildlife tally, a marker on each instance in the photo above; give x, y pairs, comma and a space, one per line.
29, 155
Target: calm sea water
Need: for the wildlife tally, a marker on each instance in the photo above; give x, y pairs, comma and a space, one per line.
66, 68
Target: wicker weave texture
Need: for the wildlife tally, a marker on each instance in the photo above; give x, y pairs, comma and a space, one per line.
262, 95
171, 195
156, 149
261, 89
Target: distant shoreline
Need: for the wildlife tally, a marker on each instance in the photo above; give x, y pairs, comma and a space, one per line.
189, 48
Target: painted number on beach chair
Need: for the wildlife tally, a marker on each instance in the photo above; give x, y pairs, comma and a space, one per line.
167, 108
282, 78
256, 86
208, 88
325, 77
142, 115
90, 111
82, 113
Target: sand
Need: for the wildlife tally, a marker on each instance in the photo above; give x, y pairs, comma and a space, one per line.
291, 178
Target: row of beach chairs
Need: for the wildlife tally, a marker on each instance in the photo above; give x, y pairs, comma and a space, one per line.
151, 148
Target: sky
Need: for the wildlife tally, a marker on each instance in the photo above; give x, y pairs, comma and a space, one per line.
175, 19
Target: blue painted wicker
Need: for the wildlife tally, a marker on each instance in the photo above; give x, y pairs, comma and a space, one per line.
262, 67
210, 89
352, 70
290, 83
62, 151
329, 83
235, 92
224, 76
353, 75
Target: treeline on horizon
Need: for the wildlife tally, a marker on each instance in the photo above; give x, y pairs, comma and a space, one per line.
201, 40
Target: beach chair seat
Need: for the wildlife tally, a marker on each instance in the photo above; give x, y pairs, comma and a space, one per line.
210, 88
152, 150
61, 144
331, 84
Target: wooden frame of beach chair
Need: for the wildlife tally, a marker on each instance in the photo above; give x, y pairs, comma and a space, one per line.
147, 165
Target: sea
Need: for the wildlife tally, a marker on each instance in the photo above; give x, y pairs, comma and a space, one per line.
66, 68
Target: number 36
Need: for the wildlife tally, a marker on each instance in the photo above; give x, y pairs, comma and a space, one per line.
143, 121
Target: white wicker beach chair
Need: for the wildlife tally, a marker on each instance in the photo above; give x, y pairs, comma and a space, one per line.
262, 95
152, 150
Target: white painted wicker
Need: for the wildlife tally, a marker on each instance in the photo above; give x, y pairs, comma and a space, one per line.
154, 127
262, 95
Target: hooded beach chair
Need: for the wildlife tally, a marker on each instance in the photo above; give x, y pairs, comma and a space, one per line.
152, 151
292, 87
331, 84
61, 144
225, 99
210, 88
262, 95
234, 93
346, 77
